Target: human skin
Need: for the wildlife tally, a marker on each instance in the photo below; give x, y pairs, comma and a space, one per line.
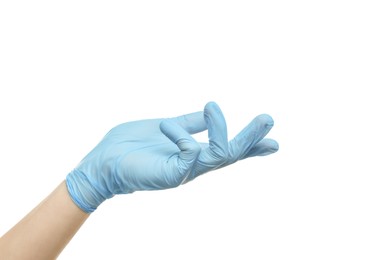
46, 230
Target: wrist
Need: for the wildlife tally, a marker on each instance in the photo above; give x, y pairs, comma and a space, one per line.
83, 192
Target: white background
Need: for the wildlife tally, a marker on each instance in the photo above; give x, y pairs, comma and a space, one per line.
71, 70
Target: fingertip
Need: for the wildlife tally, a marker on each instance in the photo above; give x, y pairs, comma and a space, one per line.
273, 146
211, 103
169, 129
263, 148
264, 120
163, 125
211, 106
212, 112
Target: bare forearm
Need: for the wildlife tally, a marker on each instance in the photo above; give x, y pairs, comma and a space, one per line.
46, 230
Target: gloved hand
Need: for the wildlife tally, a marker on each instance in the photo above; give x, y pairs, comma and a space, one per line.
160, 154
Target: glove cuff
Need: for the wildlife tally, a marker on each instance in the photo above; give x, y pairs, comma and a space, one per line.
82, 192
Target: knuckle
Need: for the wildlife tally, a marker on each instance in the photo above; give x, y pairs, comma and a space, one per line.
234, 151
194, 147
189, 146
221, 156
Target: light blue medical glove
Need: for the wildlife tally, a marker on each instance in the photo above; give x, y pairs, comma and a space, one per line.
160, 154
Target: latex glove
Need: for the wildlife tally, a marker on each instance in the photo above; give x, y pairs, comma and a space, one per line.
160, 154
